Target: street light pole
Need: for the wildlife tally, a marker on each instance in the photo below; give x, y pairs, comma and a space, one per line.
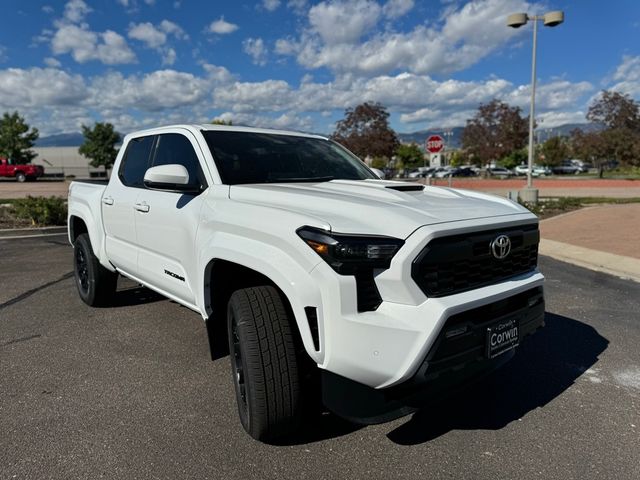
517, 20
532, 108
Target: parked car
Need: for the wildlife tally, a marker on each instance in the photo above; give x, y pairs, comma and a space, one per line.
463, 172
567, 167
537, 171
21, 172
499, 172
321, 277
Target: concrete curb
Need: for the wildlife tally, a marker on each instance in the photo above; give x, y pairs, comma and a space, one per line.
617, 265
17, 233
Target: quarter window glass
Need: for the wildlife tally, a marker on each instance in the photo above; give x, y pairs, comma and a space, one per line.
173, 148
136, 161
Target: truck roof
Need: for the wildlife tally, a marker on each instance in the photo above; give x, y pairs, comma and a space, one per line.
228, 128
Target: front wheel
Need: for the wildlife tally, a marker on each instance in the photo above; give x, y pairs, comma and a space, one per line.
96, 285
20, 177
264, 363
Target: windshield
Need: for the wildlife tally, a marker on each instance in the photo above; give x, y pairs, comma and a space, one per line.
248, 157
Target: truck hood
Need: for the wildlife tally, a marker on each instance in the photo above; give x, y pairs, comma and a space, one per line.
375, 207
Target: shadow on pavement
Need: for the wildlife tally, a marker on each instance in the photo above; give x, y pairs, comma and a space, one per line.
135, 296
546, 365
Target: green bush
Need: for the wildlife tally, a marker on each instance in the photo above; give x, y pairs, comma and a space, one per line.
41, 210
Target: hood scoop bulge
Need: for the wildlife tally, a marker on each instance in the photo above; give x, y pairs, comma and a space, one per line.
406, 188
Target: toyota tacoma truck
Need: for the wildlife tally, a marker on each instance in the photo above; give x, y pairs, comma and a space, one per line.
21, 172
374, 297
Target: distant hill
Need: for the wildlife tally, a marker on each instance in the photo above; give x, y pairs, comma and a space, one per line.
61, 140
420, 136
455, 139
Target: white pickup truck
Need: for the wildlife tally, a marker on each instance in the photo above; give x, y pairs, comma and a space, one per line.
383, 294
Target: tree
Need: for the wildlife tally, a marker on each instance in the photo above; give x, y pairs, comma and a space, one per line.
620, 139
554, 150
615, 111
591, 146
410, 155
515, 158
16, 138
365, 131
220, 121
100, 144
495, 131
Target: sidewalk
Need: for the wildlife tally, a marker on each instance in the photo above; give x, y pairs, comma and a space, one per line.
604, 238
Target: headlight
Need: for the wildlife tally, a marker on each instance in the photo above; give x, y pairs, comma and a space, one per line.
350, 254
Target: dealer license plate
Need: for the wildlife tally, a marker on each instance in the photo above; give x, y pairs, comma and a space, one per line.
502, 337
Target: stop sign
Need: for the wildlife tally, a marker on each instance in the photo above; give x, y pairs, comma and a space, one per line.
434, 144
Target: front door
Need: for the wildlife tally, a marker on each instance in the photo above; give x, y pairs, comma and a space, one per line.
167, 227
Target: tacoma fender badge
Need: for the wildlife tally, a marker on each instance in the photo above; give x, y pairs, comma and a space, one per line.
174, 275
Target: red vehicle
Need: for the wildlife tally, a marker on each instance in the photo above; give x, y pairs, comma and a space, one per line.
20, 172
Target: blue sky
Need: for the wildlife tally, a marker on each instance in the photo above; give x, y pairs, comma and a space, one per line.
298, 64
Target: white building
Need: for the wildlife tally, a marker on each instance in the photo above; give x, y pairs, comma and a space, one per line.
65, 161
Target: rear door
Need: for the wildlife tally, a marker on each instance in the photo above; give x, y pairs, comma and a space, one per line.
119, 202
166, 230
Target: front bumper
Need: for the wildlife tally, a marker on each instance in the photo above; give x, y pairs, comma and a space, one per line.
456, 360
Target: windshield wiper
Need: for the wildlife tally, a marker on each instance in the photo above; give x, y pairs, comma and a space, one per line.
300, 179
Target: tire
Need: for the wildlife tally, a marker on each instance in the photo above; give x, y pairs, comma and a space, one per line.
96, 285
20, 177
264, 363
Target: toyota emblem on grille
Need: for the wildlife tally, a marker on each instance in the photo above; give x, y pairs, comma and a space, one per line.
501, 246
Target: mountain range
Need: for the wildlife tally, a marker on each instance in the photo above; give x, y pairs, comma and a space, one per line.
454, 138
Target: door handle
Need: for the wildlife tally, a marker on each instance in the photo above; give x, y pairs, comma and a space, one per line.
107, 201
141, 207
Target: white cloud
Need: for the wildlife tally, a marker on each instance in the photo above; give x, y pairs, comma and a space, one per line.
297, 6
84, 45
343, 21
627, 76
270, 5
397, 8
76, 10
169, 57
174, 29
286, 121
343, 37
3, 54
40, 87
47, 9
52, 62
147, 33
256, 49
222, 27
156, 37
555, 119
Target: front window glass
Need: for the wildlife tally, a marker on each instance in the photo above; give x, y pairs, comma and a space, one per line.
173, 148
248, 157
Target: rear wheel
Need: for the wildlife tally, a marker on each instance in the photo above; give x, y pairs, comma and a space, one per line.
96, 285
263, 363
20, 177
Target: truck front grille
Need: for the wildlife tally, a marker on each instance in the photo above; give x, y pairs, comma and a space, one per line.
454, 264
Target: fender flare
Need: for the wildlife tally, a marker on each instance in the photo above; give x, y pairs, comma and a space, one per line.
94, 230
287, 274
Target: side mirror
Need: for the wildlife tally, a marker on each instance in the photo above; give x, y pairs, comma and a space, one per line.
378, 172
171, 178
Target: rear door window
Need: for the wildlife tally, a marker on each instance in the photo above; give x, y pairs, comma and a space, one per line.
136, 161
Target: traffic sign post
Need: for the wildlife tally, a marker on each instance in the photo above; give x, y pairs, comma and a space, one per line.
434, 144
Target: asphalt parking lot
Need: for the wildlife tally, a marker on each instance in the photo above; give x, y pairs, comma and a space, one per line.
131, 392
